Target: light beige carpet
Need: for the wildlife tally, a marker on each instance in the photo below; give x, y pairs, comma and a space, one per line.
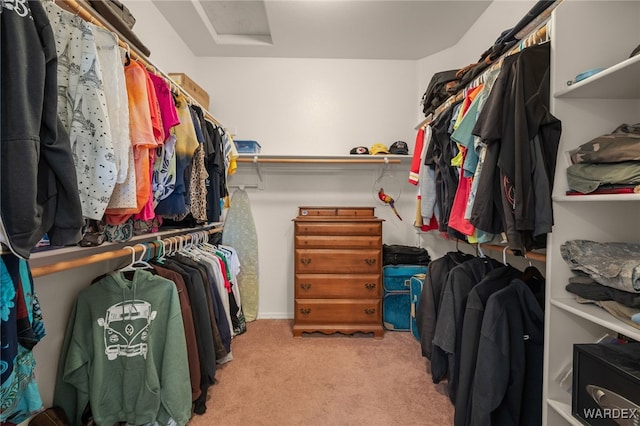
276, 379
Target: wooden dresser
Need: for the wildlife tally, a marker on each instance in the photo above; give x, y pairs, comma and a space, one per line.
338, 271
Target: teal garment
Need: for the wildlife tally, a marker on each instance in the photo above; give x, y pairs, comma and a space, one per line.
19, 393
463, 136
586, 177
125, 353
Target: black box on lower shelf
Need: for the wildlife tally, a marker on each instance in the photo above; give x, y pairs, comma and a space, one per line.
606, 384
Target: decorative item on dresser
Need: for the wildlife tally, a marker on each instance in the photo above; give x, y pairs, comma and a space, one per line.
338, 271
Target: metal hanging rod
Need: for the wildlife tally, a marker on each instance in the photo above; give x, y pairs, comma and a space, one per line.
40, 271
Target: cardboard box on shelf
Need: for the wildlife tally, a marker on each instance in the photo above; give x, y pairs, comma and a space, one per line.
191, 87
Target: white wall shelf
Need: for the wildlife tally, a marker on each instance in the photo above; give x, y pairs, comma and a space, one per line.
318, 164
608, 83
597, 315
597, 198
324, 159
586, 35
564, 410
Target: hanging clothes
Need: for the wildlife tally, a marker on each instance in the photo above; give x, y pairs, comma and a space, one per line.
204, 330
522, 139
189, 328
124, 353
115, 91
36, 154
147, 212
428, 307
448, 333
480, 323
82, 109
441, 152
176, 203
142, 137
217, 186
508, 384
21, 327
111, 60
164, 167
494, 281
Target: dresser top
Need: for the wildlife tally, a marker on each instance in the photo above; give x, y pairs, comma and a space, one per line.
338, 212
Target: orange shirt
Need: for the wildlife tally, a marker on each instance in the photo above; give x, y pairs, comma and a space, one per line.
141, 129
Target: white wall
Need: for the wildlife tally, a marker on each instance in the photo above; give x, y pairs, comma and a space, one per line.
311, 106
168, 52
499, 16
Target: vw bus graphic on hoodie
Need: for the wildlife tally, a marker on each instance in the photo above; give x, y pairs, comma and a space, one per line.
126, 329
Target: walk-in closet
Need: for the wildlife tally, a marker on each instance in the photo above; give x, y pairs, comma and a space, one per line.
288, 212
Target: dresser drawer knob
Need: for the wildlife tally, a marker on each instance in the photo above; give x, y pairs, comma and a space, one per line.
369, 311
370, 286
370, 261
305, 261
305, 311
305, 286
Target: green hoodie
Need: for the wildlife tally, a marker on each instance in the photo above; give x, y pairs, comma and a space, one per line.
125, 353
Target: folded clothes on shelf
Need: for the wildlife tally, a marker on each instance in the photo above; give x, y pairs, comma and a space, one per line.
613, 264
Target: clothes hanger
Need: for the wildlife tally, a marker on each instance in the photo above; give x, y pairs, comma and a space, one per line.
504, 255
130, 267
139, 263
183, 247
161, 251
143, 263
128, 55
479, 251
531, 272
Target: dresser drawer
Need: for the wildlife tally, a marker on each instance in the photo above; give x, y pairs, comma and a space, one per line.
343, 286
349, 261
342, 242
351, 311
336, 211
338, 228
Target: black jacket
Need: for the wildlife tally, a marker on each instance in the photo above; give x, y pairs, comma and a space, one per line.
494, 281
38, 185
427, 309
448, 335
507, 387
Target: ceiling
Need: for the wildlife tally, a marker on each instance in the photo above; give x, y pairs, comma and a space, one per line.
352, 29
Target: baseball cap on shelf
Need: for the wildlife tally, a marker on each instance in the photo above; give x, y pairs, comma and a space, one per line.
399, 147
359, 150
378, 148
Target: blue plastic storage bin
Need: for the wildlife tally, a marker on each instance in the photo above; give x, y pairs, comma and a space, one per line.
247, 146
